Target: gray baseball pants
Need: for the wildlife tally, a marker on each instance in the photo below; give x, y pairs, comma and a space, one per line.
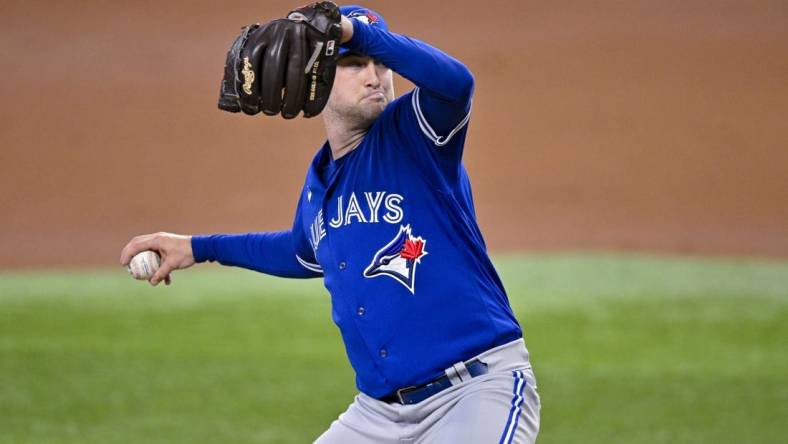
500, 407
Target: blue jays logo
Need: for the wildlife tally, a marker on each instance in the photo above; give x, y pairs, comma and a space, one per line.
365, 16
399, 258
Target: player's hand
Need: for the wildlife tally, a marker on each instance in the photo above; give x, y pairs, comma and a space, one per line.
175, 251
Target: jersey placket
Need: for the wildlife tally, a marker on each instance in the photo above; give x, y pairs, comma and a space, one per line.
341, 268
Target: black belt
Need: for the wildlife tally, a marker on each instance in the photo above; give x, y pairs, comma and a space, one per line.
414, 395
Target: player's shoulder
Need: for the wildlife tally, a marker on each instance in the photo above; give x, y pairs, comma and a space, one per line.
398, 105
406, 115
399, 115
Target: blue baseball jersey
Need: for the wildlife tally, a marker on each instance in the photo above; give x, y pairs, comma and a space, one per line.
391, 228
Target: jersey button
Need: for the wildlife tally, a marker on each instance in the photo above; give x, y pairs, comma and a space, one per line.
342, 265
361, 311
383, 353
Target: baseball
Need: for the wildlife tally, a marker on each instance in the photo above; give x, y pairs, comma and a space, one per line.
143, 265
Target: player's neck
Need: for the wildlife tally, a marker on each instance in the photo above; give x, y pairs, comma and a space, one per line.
342, 138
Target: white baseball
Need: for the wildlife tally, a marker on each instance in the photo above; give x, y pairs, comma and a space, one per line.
144, 265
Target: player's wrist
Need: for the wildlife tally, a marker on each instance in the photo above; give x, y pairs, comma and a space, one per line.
188, 251
347, 29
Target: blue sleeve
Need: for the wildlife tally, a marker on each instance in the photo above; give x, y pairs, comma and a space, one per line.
278, 253
271, 253
444, 84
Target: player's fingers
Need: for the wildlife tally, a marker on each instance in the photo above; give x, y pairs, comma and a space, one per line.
273, 70
138, 244
295, 86
164, 270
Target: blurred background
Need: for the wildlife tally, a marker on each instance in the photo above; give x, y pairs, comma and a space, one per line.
630, 171
619, 125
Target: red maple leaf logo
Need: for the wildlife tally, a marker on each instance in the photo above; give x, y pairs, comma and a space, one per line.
372, 17
412, 249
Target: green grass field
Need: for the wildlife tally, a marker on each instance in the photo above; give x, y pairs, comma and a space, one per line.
627, 349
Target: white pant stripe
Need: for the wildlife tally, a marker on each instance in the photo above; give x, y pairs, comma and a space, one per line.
514, 412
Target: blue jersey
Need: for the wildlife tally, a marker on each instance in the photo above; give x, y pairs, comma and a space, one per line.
392, 230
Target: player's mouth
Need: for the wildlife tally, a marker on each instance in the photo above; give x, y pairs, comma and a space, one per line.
377, 95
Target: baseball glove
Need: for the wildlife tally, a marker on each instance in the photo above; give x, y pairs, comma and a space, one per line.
286, 65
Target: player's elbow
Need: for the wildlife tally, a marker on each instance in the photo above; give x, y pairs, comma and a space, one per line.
465, 83
462, 84
454, 83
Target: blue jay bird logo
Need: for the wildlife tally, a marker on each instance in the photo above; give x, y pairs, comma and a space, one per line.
365, 16
398, 258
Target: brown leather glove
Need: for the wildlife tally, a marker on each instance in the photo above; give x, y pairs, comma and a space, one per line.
286, 65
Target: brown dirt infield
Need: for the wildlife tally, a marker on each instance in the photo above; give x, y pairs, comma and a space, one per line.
636, 125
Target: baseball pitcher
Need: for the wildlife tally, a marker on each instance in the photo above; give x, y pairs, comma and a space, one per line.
386, 218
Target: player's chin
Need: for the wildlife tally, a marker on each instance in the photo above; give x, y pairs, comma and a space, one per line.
366, 112
374, 105
369, 111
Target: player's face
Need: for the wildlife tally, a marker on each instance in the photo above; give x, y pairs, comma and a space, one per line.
362, 89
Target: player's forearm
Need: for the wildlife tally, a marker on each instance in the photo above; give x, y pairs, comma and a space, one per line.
427, 67
270, 253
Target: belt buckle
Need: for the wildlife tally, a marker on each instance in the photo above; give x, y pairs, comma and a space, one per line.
400, 391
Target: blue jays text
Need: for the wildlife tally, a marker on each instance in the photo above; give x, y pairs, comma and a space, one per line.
391, 228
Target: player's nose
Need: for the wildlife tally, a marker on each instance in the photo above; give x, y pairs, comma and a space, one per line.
371, 77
